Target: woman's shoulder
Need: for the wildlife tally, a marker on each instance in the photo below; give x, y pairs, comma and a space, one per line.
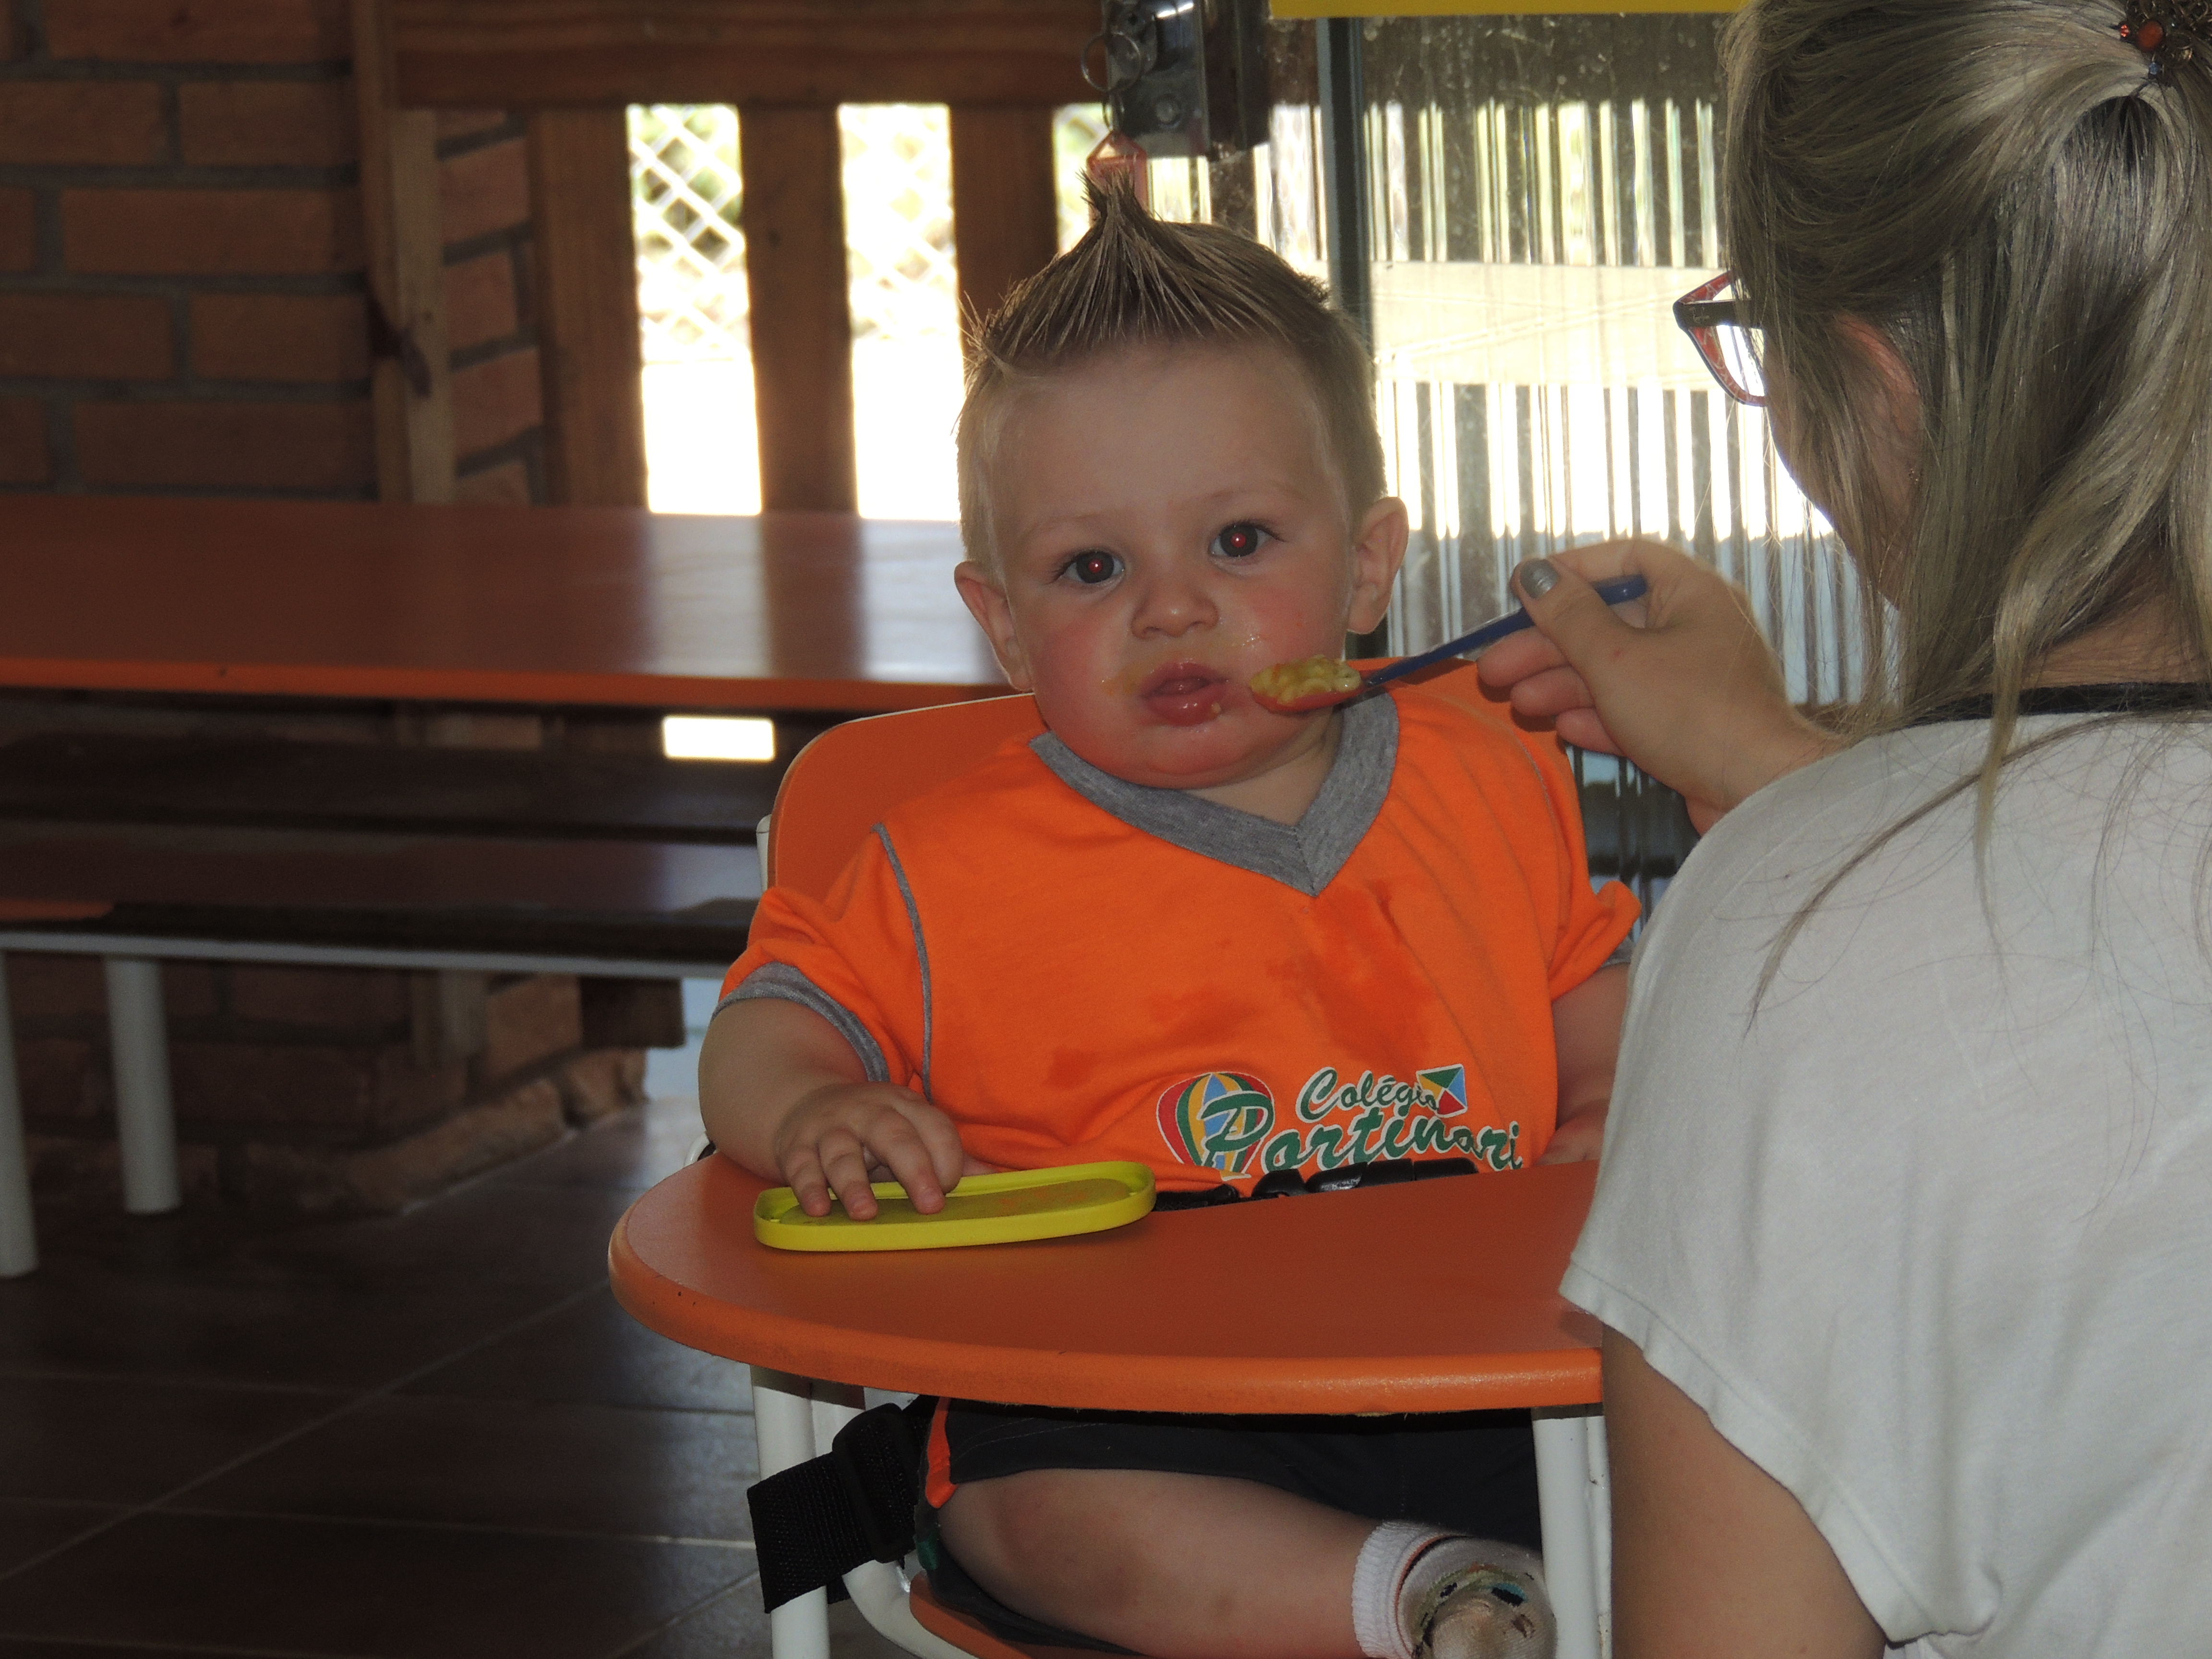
2067, 773
1861, 867
1860, 785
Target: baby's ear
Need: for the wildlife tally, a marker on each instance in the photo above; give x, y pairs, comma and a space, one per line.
1378, 548
985, 599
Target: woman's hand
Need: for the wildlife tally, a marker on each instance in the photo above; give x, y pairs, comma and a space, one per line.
1681, 682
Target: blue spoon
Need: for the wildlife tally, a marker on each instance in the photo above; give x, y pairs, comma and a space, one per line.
1619, 591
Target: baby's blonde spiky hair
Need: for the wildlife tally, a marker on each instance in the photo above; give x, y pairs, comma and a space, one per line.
1133, 280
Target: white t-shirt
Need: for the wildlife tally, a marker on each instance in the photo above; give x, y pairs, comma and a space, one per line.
1930, 1238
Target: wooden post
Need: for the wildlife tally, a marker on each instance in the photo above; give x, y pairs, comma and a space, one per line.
800, 307
411, 373
1005, 213
589, 359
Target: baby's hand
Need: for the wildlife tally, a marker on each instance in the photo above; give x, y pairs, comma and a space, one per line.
836, 1136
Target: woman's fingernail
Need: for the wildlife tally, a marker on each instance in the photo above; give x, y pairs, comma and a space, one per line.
1537, 578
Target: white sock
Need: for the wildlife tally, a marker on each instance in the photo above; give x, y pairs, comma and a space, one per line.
1399, 1564
1377, 1582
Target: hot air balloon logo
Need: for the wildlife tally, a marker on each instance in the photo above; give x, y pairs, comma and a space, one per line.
1217, 1120
1448, 1085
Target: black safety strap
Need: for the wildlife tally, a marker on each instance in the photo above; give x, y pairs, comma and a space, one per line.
815, 1522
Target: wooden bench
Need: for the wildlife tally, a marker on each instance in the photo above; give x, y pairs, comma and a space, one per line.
105, 777
137, 894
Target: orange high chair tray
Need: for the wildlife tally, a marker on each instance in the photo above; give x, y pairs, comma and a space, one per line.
1434, 1295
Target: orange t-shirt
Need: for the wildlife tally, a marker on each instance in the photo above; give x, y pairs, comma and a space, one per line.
1076, 968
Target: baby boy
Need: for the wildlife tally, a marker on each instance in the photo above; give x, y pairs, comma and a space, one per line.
1244, 947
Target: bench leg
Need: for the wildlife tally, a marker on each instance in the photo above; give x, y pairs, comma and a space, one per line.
1570, 1473
139, 1043
19, 1238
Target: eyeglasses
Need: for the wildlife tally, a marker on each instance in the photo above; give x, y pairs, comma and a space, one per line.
1729, 344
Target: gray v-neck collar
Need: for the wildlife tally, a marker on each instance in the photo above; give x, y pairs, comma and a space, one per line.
1305, 856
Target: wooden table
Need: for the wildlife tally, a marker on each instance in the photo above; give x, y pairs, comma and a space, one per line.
1432, 1296
576, 606
571, 607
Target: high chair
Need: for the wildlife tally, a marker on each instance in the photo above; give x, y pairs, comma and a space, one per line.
1297, 1311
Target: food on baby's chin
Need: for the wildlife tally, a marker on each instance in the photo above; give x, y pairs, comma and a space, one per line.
1287, 682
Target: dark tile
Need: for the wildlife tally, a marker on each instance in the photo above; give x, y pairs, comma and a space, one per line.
13, 1649
247, 1324
124, 1440
185, 1241
29, 1529
372, 1591
731, 1626
734, 1627
628, 1152
594, 1351
488, 1234
566, 1467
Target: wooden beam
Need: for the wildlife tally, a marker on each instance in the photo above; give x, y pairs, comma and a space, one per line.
588, 356
412, 371
1005, 213
799, 306
519, 53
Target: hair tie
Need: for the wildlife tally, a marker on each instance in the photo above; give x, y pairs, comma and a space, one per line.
2160, 28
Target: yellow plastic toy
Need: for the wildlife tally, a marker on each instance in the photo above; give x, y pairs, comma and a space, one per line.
988, 1209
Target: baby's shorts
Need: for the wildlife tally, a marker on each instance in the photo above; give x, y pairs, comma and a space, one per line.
1472, 1472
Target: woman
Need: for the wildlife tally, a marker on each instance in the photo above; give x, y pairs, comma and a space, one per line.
1903, 1236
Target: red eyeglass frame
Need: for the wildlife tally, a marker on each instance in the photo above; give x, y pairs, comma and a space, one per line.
1700, 316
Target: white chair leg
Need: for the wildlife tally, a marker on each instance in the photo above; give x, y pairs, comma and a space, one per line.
879, 1592
1601, 1474
783, 1428
139, 1043
1566, 1497
19, 1238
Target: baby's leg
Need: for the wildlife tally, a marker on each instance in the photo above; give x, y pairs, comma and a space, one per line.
1211, 1537
1164, 1564
1173, 1566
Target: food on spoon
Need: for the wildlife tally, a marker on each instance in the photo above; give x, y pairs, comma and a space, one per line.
1292, 684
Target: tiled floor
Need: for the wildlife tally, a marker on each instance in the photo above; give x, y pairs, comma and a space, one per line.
433, 1437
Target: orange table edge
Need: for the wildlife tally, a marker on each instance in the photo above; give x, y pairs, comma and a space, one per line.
338, 681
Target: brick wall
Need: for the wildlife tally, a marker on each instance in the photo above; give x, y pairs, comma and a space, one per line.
319, 1089
183, 312
181, 290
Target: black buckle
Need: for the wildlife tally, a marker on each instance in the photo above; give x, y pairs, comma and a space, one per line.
875, 1450
1384, 1172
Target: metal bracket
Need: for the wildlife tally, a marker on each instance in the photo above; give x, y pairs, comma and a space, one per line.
1186, 78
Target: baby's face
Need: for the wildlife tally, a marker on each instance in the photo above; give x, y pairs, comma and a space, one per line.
1171, 522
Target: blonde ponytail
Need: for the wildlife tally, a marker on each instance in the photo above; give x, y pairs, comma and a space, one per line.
2005, 189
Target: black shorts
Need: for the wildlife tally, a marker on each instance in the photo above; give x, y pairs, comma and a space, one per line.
1472, 1472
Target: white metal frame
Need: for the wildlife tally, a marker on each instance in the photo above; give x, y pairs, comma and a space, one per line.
139, 1039
1574, 1495
795, 1418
